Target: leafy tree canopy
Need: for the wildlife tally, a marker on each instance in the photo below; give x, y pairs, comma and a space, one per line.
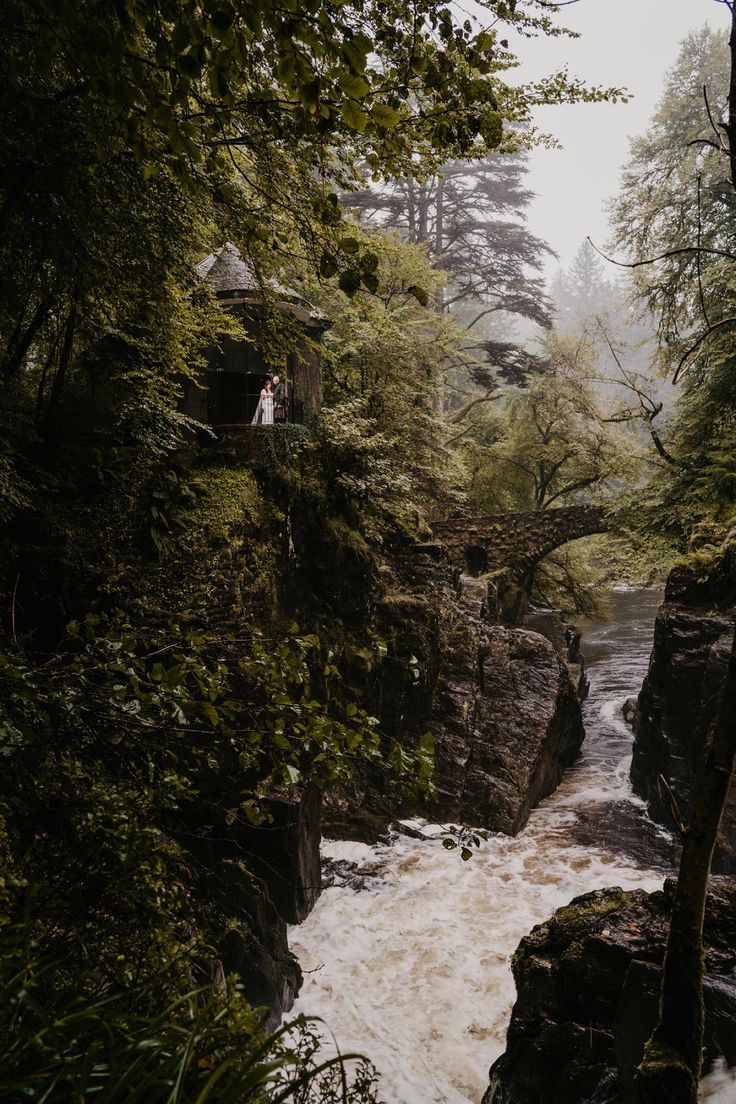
674, 218
554, 440
133, 135
189, 81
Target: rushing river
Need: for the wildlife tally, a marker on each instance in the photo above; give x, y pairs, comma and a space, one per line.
408, 961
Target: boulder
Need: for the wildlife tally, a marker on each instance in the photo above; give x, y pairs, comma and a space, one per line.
587, 986
628, 710
566, 640
575, 660
502, 703
507, 718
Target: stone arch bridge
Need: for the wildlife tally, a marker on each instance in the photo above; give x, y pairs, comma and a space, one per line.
517, 541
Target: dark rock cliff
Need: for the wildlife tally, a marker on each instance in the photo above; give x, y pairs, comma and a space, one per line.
507, 717
587, 992
501, 702
674, 711
270, 876
505, 714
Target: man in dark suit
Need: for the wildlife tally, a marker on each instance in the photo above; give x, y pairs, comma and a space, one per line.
280, 400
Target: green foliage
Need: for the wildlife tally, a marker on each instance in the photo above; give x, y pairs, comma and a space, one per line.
133, 134
676, 208
577, 577
415, 767
248, 695
206, 1045
464, 839
205, 516
552, 443
381, 435
659, 207
471, 218
387, 79
127, 753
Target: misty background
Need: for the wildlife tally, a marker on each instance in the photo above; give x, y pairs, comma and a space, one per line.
624, 43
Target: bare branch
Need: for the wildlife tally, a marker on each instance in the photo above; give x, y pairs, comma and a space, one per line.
648, 408
491, 396
663, 256
660, 447
483, 313
709, 143
711, 120
694, 348
463, 433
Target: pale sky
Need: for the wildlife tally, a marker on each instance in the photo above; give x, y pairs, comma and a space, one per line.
629, 43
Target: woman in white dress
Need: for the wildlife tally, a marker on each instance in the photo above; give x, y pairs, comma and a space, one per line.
264, 410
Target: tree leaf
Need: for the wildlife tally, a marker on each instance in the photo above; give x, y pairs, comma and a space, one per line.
384, 116
354, 115
354, 85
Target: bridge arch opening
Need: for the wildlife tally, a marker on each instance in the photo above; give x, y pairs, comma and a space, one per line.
476, 559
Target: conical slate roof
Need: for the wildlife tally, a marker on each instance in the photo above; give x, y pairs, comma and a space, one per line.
234, 281
226, 270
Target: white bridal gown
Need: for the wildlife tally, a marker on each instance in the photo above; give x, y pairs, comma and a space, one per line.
264, 410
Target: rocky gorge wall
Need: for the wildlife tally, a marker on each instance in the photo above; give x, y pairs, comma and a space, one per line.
674, 711
506, 716
417, 644
501, 703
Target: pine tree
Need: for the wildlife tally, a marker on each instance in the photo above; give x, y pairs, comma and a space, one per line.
583, 291
472, 218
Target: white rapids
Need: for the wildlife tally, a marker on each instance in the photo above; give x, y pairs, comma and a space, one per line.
412, 968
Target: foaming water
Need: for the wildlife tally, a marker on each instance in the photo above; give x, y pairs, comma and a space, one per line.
410, 964
719, 1087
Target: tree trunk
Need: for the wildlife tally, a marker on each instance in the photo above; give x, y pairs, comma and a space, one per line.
411, 209
731, 124
439, 237
423, 212
22, 340
670, 1070
59, 380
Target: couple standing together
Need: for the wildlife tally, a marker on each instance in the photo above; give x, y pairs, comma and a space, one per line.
272, 403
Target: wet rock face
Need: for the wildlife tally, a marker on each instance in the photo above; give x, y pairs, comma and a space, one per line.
258, 952
270, 877
507, 718
677, 702
284, 853
398, 688
587, 986
500, 702
714, 586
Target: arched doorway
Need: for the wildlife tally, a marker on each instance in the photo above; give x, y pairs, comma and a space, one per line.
476, 559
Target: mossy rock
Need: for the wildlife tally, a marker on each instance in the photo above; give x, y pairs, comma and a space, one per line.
567, 928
